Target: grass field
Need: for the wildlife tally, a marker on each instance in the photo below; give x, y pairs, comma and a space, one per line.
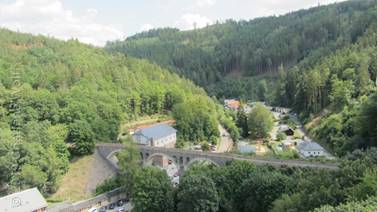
73, 183
145, 120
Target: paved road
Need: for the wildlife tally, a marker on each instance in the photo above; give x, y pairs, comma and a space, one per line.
226, 142
305, 133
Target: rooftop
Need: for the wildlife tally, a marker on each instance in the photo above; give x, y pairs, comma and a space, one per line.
310, 146
24, 201
156, 132
232, 103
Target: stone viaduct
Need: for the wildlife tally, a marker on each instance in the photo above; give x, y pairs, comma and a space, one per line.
184, 158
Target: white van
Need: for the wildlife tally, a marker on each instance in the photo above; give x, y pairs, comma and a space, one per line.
92, 210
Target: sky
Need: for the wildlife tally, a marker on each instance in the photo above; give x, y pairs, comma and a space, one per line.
97, 21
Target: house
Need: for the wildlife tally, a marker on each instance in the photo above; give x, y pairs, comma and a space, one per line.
232, 104
310, 149
160, 135
286, 130
282, 110
24, 201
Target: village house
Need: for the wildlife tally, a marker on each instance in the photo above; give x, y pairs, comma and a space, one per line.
282, 110
310, 149
232, 104
30, 200
286, 130
160, 135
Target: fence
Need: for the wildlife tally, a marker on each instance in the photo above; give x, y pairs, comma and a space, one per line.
98, 201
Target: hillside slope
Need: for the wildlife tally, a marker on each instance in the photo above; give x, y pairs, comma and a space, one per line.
219, 57
54, 92
318, 60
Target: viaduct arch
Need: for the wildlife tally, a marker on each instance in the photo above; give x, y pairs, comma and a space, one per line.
185, 158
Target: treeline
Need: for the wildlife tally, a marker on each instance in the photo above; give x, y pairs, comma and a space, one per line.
57, 99
242, 186
219, 55
322, 62
339, 91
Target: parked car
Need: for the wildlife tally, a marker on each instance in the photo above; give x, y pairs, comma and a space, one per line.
92, 210
103, 209
213, 148
112, 205
120, 203
197, 147
121, 209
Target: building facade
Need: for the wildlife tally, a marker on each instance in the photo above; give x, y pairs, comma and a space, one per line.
160, 135
310, 149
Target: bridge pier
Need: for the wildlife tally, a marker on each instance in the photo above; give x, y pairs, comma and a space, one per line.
184, 158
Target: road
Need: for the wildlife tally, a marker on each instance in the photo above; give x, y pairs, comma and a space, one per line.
226, 142
305, 133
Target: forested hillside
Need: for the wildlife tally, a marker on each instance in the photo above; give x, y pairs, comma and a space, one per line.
322, 62
339, 92
58, 98
219, 57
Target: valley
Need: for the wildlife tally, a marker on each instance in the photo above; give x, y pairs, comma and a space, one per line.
275, 113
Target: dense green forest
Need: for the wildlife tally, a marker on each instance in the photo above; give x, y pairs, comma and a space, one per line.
322, 62
339, 93
242, 186
223, 56
57, 99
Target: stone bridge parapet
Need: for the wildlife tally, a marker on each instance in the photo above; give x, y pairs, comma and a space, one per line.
183, 158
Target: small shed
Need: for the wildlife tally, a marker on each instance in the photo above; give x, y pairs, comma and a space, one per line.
287, 130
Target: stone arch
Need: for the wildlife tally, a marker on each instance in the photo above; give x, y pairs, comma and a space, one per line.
149, 158
112, 157
194, 160
112, 153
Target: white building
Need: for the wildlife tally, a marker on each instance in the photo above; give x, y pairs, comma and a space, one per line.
310, 149
24, 201
160, 135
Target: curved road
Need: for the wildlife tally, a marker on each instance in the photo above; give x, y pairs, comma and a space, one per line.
226, 142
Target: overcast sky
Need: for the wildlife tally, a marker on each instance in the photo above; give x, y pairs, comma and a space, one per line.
97, 21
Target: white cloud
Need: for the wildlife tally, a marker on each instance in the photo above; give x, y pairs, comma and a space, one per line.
49, 17
146, 27
190, 21
205, 3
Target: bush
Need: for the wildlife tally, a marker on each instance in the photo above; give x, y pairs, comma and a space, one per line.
108, 185
281, 136
260, 122
205, 146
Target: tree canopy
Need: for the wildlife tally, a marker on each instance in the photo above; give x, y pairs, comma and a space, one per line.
57, 96
228, 58
260, 122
